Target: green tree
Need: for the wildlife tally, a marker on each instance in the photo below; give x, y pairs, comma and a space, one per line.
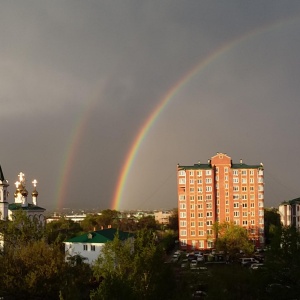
61, 230
133, 270
232, 238
147, 222
107, 218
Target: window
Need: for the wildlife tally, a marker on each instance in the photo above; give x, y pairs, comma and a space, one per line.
191, 181
208, 205
201, 244
209, 214
209, 231
181, 197
252, 222
217, 178
244, 180
199, 173
182, 206
235, 197
193, 232
236, 214
226, 178
245, 214
260, 180
244, 205
208, 172
244, 188
208, 188
192, 198
261, 213
192, 215
182, 215
227, 210
226, 170
200, 198
208, 180
252, 197
245, 222
84, 247
199, 189
261, 221
93, 248
236, 188
199, 181
208, 197
183, 232
182, 223
251, 188
201, 232
244, 197
183, 243
208, 223
181, 173
200, 224
191, 173
252, 204
235, 172
260, 188
192, 189
200, 206
226, 185
200, 215
227, 219
244, 172
181, 180
251, 172
251, 180
260, 204
236, 204
192, 206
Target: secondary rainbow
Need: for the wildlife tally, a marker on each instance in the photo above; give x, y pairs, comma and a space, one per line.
200, 67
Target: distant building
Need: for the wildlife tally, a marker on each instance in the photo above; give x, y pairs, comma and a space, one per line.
162, 217
89, 245
290, 213
20, 199
219, 191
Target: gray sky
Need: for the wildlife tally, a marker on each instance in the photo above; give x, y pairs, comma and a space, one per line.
79, 79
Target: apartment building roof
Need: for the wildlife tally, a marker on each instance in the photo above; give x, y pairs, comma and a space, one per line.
209, 166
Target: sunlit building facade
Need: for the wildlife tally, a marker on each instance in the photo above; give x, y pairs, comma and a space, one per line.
290, 213
219, 191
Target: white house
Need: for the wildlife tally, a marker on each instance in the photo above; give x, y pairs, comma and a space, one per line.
89, 245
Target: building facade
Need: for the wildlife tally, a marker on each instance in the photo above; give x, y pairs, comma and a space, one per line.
219, 191
290, 213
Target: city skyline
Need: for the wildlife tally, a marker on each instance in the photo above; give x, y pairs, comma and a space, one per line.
101, 100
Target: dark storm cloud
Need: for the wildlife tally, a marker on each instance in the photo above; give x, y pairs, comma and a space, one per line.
59, 58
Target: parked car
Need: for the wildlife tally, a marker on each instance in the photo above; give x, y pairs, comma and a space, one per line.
256, 266
248, 261
200, 258
184, 263
193, 264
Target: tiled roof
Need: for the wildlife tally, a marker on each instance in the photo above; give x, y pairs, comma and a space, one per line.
244, 166
208, 166
195, 166
17, 206
100, 236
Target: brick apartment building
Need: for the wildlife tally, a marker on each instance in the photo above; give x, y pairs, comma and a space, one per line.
222, 191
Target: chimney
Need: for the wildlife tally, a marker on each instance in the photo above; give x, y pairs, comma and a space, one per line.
241, 161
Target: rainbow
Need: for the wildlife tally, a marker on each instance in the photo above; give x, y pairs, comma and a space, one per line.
74, 142
166, 99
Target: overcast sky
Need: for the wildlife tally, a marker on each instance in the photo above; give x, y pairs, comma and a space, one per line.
79, 79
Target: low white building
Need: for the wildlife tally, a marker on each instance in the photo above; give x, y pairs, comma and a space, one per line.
290, 213
89, 245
